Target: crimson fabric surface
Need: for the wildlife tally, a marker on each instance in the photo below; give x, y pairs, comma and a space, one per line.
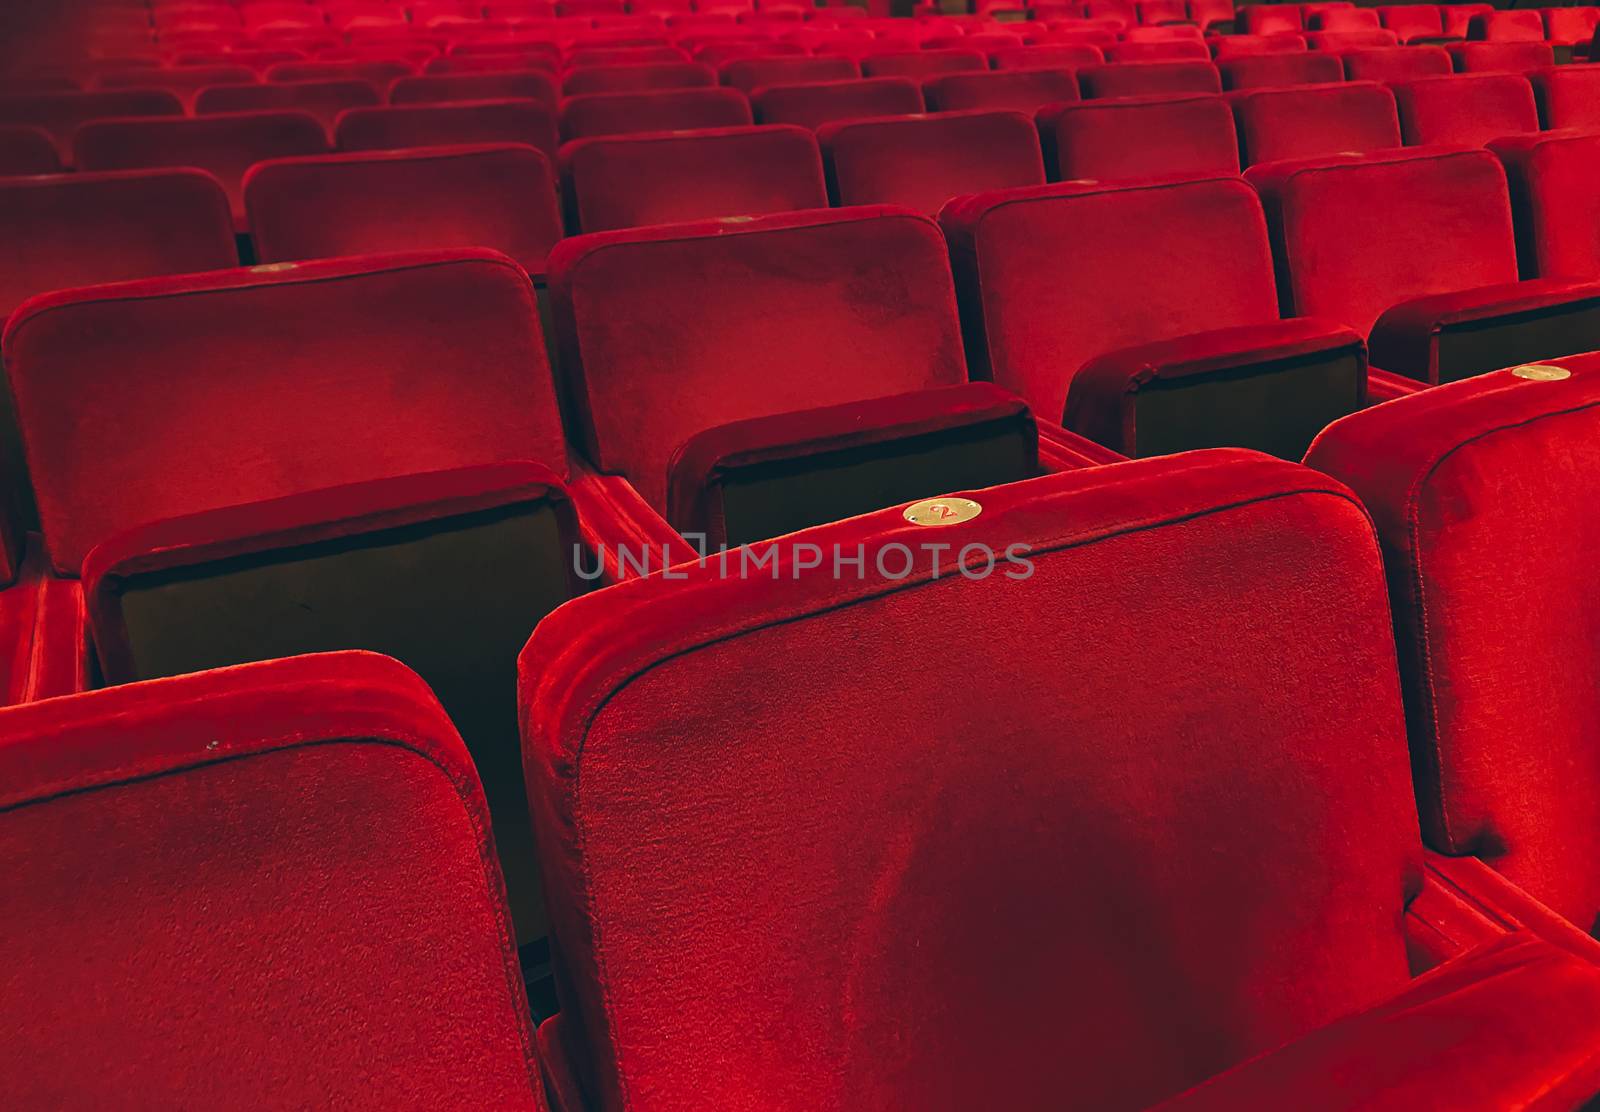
1498, 57
1316, 120
1354, 237
1567, 96
1140, 137
442, 87
1020, 90
322, 99
501, 197
1242, 46
1414, 21
622, 55
1047, 57
1169, 50
1274, 19
814, 104
1512, 1025
1524, 25
274, 936
61, 113
1051, 278
1342, 19
670, 330
664, 110
1469, 109
1458, 17
1569, 26
924, 63
433, 125
1464, 482
1396, 63
798, 888
1551, 177
922, 162
635, 78
148, 400
378, 72
1273, 71
27, 150
522, 56
223, 146
1132, 79
750, 74
182, 81
1340, 41
740, 171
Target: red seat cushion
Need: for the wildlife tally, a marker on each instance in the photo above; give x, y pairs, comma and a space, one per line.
1557, 210
656, 110
1316, 120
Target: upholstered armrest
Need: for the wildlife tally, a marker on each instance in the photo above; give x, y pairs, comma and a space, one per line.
622, 532
1060, 450
1270, 386
45, 634
752, 480
1465, 903
294, 522
1385, 387
1450, 336
1513, 1024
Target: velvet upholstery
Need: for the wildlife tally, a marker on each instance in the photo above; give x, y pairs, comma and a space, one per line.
61, 113
1168, 50
1139, 137
1052, 278
181, 81
436, 88
704, 819
1342, 19
1338, 42
1396, 63
322, 99
1521, 25
1224, 47
668, 331
663, 110
501, 197
432, 125
197, 894
814, 104
1134, 79
1557, 212
440, 354
1567, 96
1463, 481
1314, 121
736, 171
1469, 109
1062, 56
923, 63
750, 74
1570, 26
27, 150
1413, 21
637, 78
1273, 19
921, 162
1500, 57
379, 72
1273, 71
1017, 90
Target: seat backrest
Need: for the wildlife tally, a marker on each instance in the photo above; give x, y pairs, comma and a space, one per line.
436, 125
270, 931
1023, 90
1569, 26
637, 77
1338, 42
1469, 109
1274, 71
750, 74
664, 110
1354, 237
1500, 57
1224, 47
1411, 21
668, 331
322, 99
1047, 57
1396, 63
1567, 96
182, 81
924, 63
739, 171
435, 88
1048, 774
1051, 278
1316, 120
923, 161
61, 113
1521, 25
1464, 481
811, 105
379, 72
1158, 50
148, 400
1133, 79
1343, 19
1140, 137
1270, 19
27, 150
1555, 207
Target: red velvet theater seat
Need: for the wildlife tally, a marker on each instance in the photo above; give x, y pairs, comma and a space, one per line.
924, 63
1469, 109
1314, 121
1500, 57
259, 932
1555, 207
1396, 63
223, 146
380, 72
181, 81
1570, 26
61, 113
433, 125
1411, 22
739, 171
1270, 19
664, 110
1342, 19
1224, 47
1148, 316
523, 56
921, 162
1467, 484
637, 78
502, 197
1139, 137
1046, 57
27, 150
437, 88
1133, 79
581, 56
813, 105
1377, 243
322, 99
1271, 71
750, 74
1522, 25
1184, 859
1339, 42
1567, 96
1022, 90
1170, 50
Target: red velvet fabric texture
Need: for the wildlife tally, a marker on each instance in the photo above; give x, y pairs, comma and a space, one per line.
1169, 50
1133, 79
924, 161
1500, 57
223, 146
744, 171
1019, 90
1139, 137
1469, 109
1512, 1025
750, 74
322, 99
1341, 19
667, 110
128, 416
83, 229
501, 197
1274, 71
636, 78
1567, 96
182, 81
431, 125
811, 105
923, 63
1354, 237
1514, 26
667, 331
1396, 63
1047, 57
1340, 41
379, 72
1242, 46
1316, 121
286, 871
45, 633
1261, 19
1415, 21
774, 890
1051, 278
1551, 177
61, 113
27, 150
1457, 17
1462, 480
1569, 26
437, 88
